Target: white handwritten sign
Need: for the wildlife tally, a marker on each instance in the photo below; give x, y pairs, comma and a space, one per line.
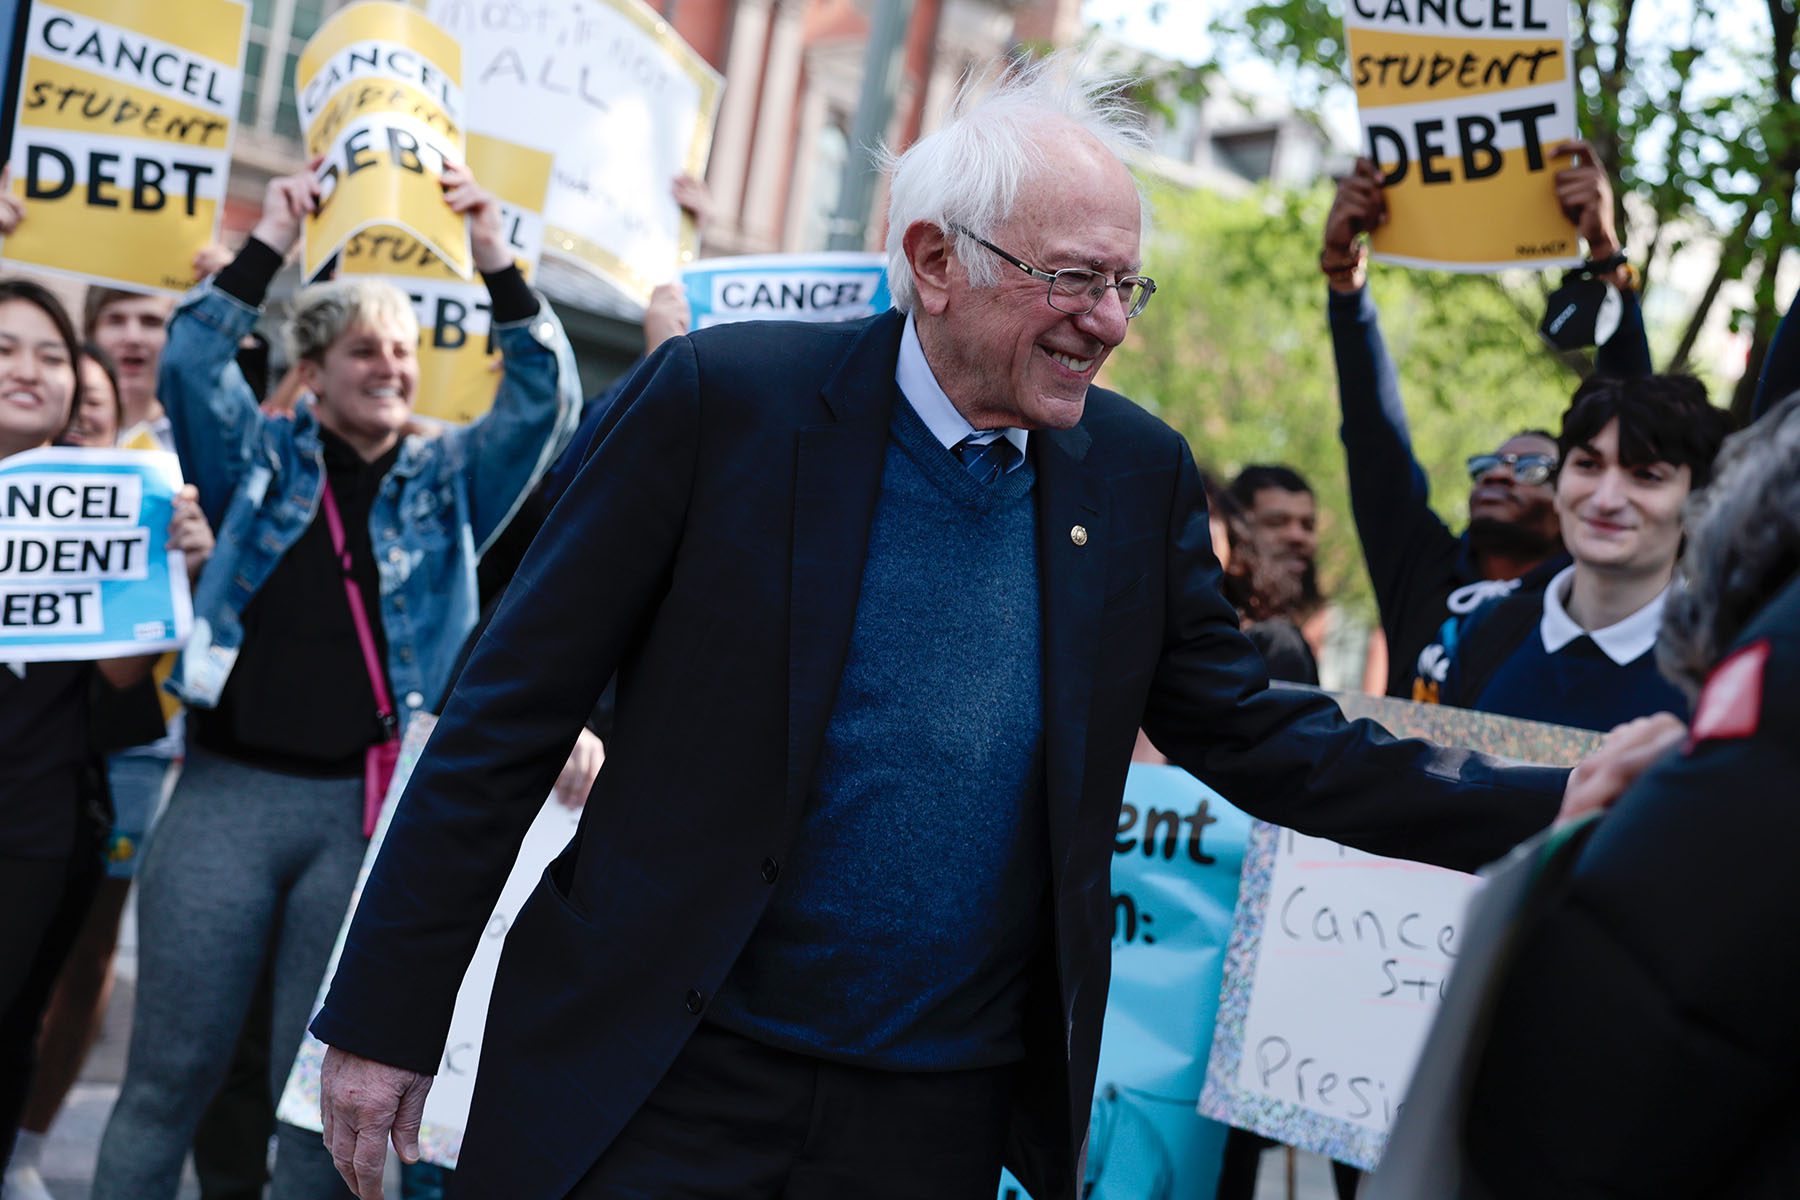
621, 100
1353, 954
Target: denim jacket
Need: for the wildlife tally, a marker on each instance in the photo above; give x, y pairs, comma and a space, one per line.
445, 499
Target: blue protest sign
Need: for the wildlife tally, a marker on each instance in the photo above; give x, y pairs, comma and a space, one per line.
84, 572
1176, 857
829, 286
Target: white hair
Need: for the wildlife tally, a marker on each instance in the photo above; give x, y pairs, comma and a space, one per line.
970, 172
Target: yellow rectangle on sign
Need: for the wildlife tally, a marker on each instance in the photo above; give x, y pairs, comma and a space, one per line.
1508, 218
355, 100
150, 250
517, 174
1408, 68
55, 95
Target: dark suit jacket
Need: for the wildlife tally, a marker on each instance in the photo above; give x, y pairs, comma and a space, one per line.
711, 550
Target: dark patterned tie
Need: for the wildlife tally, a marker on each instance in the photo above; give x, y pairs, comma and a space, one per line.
987, 463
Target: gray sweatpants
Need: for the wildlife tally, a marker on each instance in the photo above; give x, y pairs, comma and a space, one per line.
247, 867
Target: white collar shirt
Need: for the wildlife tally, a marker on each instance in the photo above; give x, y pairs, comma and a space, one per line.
922, 390
1624, 642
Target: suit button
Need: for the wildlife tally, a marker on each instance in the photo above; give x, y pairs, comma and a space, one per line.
695, 1001
770, 869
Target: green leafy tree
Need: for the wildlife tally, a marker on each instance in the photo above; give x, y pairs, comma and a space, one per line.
1696, 111
1236, 354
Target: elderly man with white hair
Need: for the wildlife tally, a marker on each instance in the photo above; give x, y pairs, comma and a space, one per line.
888, 603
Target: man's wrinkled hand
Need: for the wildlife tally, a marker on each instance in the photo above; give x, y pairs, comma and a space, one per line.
365, 1104
1624, 754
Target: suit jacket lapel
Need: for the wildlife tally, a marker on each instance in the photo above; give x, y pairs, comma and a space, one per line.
837, 479
1072, 552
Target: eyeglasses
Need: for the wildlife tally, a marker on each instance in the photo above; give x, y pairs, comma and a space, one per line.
1077, 291
1526, 468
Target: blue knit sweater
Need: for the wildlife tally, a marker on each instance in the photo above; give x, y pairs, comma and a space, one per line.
912, 898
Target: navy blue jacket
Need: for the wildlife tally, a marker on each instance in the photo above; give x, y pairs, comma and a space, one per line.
711, 551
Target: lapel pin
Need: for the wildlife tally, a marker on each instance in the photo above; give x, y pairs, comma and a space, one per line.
1078, 535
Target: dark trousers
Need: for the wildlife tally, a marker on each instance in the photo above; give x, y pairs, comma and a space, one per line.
739, 1120
231, 1143
42, 905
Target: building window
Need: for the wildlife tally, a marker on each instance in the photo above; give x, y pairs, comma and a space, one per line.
279, 30
829, 156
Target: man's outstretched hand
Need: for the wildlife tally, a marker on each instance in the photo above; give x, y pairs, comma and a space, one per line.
1624, 754
365, 1103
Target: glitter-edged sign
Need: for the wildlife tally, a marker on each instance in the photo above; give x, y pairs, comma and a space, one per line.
122, 142
1338, 960
1460, 100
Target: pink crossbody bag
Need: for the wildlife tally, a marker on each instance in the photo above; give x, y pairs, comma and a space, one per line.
379, 759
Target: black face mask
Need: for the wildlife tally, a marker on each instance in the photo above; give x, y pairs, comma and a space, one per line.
1584, 311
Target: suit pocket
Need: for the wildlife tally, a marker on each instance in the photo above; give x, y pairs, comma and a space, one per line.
1128, 596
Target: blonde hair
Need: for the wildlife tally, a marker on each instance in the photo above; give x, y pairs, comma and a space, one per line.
323, 311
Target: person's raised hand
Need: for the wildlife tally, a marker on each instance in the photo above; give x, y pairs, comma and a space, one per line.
666, 315
695, 199
487, 239
1585, 193
1624, 754
12, 209
189, 532
210, 259
1358, 208
287, 202
364, 1104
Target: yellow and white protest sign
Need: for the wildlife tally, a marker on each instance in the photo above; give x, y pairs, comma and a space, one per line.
459, 368
623, 103
381, 103
123, 140
1459, 101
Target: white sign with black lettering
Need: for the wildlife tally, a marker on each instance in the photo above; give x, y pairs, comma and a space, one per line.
1345, 979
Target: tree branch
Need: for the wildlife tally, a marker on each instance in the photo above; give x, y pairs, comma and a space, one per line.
1679, 361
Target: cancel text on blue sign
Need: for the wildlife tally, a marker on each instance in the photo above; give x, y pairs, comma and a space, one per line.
828, 286
84, 572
